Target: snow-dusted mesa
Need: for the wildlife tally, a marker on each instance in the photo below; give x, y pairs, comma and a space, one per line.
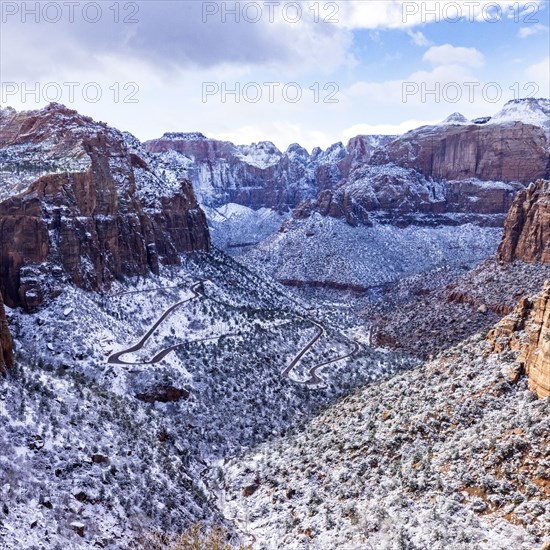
456, 118
257, 175
528, 111
508, 146
262, 155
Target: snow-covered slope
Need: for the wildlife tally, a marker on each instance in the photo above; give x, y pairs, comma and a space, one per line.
529, 111
324, 251
452, 455
96, 451
234, 226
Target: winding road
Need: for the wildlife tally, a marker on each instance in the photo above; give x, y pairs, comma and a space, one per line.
314, 380
114, 359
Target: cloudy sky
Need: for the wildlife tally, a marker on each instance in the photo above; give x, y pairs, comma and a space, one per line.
313, 72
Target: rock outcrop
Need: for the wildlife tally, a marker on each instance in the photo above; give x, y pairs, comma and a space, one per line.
256, 176
259, 175
455, 172
163, 394
526, 331
401, 196
82, 202
512, 146
527, 227
6, 349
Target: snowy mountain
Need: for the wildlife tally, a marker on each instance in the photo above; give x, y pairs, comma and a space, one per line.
528, 111
82, 202
330, 374
258, 175
455, 173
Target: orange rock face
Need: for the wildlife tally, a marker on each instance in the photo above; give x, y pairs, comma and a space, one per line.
536, 354
527, 330
6, 350
527, 227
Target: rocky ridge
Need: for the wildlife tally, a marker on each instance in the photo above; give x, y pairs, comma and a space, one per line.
259, 175
526, 333
82, 202
6, 349
508, 151
454, 172
527, 227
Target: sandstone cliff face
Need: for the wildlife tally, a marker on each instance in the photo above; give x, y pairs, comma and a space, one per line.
455, 172
6, 350
527, 227
255, 176
511, 151
527, 332
401, 196
82, 202
259, 175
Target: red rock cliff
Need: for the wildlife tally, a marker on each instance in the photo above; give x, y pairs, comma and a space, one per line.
6, 350
527, 331
527, 227
511, 151
82, 202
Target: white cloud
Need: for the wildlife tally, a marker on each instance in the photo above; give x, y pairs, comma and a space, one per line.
418, 38
524, 32
538, 74
438, 85
403, 14
448, 55
384, 129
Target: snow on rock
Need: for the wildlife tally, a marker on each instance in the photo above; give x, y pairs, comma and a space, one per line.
262, 155
84, 201
456, 118
529, 111
234, 226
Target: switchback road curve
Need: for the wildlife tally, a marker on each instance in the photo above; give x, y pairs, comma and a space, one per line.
314, 380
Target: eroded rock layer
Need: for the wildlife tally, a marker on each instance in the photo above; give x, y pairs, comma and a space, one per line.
527, 332
527, 227
81, 201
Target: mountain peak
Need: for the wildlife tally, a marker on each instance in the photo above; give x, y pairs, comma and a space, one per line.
184, 136
456, 118
530, 110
